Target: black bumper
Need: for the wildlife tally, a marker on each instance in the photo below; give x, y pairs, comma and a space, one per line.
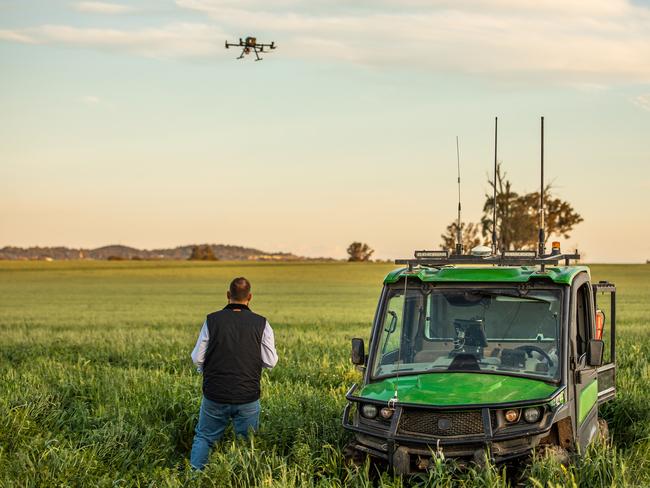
408, 453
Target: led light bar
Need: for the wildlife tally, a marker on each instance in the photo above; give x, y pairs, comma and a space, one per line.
519, 254
442, 254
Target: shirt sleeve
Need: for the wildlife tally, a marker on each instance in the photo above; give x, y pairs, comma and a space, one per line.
269, 354
198, 354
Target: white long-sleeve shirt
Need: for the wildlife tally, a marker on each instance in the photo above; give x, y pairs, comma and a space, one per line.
269, 354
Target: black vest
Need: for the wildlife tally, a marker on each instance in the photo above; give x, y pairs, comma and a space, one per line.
233, 360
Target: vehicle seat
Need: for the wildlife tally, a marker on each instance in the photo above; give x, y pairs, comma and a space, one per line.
426, 356
432, 352
513, 358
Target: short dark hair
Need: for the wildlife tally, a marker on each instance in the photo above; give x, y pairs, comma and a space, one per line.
240, 288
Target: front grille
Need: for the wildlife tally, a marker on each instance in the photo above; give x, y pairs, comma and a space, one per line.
441, 424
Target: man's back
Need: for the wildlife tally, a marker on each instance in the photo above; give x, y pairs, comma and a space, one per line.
233, 346
233, 364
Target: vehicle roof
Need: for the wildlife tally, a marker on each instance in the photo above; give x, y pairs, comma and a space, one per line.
563, 275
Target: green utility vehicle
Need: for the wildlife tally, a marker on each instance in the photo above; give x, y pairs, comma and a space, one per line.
497, 353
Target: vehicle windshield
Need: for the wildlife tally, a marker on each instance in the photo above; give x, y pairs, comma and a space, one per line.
500, 330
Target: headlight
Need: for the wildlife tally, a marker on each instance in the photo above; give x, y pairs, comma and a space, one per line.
511, 416
386, 413
532, 415
369, 411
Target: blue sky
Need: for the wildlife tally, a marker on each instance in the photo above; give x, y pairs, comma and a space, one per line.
129, 122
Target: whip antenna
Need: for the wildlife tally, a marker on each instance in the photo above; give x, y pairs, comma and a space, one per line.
459, 235
494, 206
542, 238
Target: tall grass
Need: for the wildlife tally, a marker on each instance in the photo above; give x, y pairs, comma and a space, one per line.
97, 388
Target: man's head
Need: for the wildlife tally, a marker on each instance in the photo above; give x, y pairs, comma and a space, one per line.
240, 291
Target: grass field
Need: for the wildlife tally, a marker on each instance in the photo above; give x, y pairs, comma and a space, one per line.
97, 387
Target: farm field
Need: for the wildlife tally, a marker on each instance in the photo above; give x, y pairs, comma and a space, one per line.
97, 387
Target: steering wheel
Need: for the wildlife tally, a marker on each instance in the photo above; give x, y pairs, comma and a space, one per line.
530, 349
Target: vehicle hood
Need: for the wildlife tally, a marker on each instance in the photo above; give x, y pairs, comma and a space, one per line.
462, 389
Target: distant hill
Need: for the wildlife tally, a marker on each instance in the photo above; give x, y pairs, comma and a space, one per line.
117, 252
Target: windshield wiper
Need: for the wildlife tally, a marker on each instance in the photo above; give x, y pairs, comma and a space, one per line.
396, 370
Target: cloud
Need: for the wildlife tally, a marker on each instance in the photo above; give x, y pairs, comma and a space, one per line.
169, 41
14, 36
103, 8
583, 43
329, 7
642, 101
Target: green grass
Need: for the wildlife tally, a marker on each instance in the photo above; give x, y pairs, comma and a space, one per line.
97, 387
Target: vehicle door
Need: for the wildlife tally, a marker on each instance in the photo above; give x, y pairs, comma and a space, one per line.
606, 331
585, 375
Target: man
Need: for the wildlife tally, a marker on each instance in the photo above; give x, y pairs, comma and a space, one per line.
233, 347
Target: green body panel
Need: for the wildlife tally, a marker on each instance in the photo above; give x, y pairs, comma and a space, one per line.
502, 274
588, 397
447, 389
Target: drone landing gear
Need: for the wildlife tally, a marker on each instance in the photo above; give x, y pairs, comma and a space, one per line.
247, 50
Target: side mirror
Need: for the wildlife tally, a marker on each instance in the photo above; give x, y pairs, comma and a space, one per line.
358, 352
595, 352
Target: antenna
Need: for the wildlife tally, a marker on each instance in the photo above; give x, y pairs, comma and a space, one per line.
494, 206
542, 238
459, 235
393, 401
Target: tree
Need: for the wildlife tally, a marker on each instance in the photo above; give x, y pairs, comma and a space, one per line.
559, 216
469, 235
359, 251
203, 252
513, 225
518, 215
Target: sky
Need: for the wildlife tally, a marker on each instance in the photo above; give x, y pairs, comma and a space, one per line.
130, 123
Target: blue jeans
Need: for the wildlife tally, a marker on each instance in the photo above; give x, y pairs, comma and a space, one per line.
213, 420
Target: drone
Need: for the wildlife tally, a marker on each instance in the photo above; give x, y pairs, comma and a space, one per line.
248, 44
